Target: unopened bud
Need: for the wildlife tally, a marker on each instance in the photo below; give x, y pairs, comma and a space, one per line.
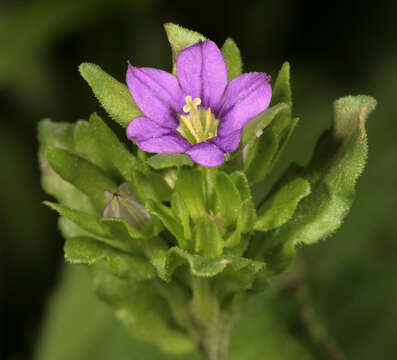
124, 204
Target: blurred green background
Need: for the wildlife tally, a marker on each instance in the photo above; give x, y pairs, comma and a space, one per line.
335, 49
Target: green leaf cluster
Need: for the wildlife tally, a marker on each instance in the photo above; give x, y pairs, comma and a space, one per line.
202, 244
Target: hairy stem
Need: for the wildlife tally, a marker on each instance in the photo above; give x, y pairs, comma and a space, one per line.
214, 324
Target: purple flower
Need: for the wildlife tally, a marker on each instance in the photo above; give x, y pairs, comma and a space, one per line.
198, 112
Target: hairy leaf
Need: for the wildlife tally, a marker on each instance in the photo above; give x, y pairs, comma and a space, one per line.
142, 310
113, 95
209, 241
59, 135
180, 211
151, 186
281, 206
165, 215
112, 151
86, 250
338, 161
190, 186
228, 198
86, 176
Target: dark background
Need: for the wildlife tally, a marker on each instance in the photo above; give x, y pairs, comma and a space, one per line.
335, 49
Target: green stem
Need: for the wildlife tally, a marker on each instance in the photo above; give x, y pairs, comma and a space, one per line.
214, 325
209, 177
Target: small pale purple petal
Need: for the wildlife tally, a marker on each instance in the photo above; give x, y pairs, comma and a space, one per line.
202, 72
165, 144
228, 143
142, 128
157, 93
246, 96
206, 154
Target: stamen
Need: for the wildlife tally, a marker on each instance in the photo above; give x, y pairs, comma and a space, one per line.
199, 124
188, 124
207, 122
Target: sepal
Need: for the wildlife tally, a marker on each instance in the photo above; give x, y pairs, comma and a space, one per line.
163, 161
179, 38
233, 59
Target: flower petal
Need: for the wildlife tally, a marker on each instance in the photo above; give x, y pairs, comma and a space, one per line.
202, 72
245, 97
157, 93
206, 154
142, 128
165, 144
230, 142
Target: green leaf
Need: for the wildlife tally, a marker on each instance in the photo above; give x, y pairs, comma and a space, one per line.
209, 241
165, 215
113, 224
238, 276
260, 157
57, 134
151, 186
190, 186
338, 161
86, 250
233, 58
163, 161
281, 206
60, 135
179, 38
245, 223
69, 229
87, 222
283, 124
112, 151
113, 232
142, 310
241, 182
261, 121
113, 95
282, 89
167, 262
283, 140
247, 216
228, 198
181, 212
86, 176
86, 147
149, 245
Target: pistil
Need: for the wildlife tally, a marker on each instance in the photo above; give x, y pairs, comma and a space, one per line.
197, 125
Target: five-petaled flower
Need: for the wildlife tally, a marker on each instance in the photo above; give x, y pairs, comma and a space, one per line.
198, 112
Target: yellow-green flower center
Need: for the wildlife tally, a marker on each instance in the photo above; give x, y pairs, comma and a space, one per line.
198, 124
